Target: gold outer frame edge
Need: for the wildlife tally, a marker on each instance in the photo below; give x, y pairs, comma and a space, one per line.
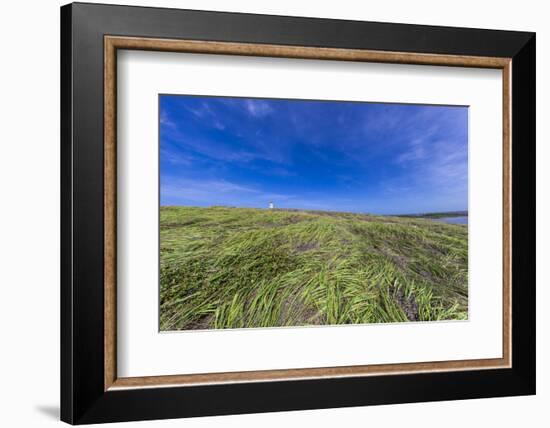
113, 43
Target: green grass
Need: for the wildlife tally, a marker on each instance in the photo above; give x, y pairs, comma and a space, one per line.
237, 267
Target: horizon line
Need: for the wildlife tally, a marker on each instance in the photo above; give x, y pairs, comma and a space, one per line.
321, 210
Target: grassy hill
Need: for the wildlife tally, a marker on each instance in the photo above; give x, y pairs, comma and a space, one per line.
236, 267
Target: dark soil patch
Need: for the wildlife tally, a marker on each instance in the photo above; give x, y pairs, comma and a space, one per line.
181, 224
408, 304
302, 248
203, 323
428, 276
366, 218
398, 260
294, 219
312, 316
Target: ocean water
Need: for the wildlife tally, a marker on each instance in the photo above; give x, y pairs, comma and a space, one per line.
454, 220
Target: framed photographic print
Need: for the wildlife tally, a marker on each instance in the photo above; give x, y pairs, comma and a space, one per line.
265, 213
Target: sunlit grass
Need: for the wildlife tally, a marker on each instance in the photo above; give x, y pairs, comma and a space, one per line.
238, 268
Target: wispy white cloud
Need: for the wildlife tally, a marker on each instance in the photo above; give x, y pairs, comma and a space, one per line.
228, 145
205, 112
258, 108
435, 168
224, 150
177, 158
416, 150
165, 121
208, 192
176, 191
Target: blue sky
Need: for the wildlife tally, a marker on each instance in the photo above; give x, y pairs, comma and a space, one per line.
322, 155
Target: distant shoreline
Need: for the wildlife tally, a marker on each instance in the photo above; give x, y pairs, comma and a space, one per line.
436, 214
441, 214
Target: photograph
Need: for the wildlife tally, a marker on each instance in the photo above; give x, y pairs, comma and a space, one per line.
287, 212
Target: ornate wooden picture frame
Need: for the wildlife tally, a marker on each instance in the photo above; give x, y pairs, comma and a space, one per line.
91, 389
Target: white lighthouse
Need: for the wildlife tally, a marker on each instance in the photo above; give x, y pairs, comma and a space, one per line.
271, 205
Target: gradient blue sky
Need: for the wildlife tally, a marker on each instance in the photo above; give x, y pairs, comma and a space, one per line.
325, 155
